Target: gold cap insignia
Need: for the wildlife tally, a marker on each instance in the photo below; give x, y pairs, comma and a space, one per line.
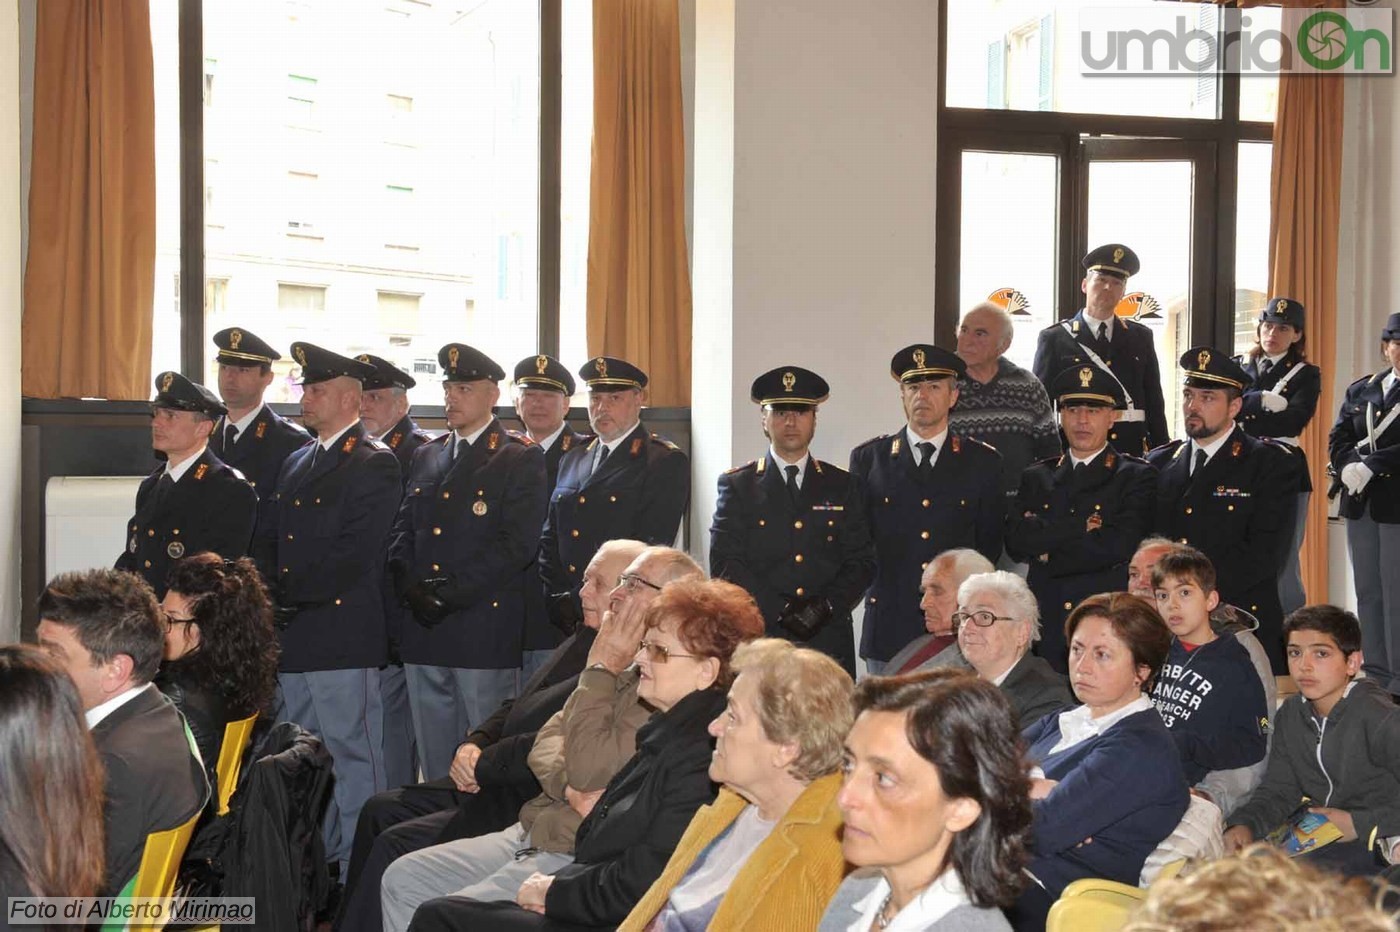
363, 357
300, 354
453, 354
789, 380
919, 358
541, 364
166, 381
235, 337
601, 365
1118, 254
1202, 360
1086, 375
1283, 304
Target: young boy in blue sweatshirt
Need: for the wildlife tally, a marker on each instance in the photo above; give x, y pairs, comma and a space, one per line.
1207, 692
1338, 744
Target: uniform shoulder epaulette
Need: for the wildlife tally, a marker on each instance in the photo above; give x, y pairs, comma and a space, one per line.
821, 466
668, 444
872, 441
1275, 442
981, 443
374, 445
238, 474
442, 438
1169, 445
1371, 378
1050, 462
1130, 458
422, 434
741, 467
519, 436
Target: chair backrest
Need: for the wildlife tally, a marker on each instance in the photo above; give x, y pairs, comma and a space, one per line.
230, 763
160, 863
1198, 836
1087, 912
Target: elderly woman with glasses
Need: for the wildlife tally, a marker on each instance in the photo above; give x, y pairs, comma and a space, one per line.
767, 853
220, 648
691, 631
997, 622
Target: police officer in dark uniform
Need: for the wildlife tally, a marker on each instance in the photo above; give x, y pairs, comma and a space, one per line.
1228, 494
384, 408
1365, 452
1078, 518
1279, 404
321, 550
790, 528
250, 437
625, 483
1097, 337
543, 387
464, 541
193, 502
925, 490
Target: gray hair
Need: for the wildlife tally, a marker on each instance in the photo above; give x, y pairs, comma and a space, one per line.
1011, 589
961, 563
620, 547
672, 565
1149, 543
1008, 326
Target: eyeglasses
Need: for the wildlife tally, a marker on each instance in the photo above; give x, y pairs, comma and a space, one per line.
982, 619
172, 620
660, 653
630, 582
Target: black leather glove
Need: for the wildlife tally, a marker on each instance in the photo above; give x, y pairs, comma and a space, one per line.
429, 608
565, 611
803, 617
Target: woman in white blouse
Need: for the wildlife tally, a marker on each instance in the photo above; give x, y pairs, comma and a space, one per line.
936, 806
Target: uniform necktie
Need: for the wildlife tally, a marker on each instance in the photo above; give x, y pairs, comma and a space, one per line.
164, 486
602, 457
926, 464
1103, 331
1199, 461
316, 452
1265, 365
1393, 396
791, 481
230, 437
456, 443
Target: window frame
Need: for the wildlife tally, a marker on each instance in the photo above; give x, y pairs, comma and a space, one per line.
192, 227
1070, 136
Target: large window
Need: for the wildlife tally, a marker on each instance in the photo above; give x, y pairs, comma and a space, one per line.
373, 178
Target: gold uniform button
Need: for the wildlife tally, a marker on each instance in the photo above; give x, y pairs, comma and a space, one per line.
286, 569
151, 532
417, 489
1229, 507
148, 564
436, 568
574, 569
831, 522
583, 499
926, 503
574, 533
318, 501
296, 502
175, 531
480, 491
963, 503
291, 537
922, 567
762, 522
872, 600
887, 500
801, 591
829, 538
798, 558
797, 524
337, 601
924, 534
446, 495
437, 531
612, 498
1188, 509
1113, 436
495, 604
1068, 606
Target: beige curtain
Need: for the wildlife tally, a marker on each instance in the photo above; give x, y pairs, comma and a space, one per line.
639, 303
1305, 217
92, 239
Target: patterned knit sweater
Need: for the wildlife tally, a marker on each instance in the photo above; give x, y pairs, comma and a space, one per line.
1012, 413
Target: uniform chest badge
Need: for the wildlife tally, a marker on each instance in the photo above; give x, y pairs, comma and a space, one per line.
175, 550
478, 508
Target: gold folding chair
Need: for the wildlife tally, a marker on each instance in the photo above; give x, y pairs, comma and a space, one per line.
160, 863
230, 763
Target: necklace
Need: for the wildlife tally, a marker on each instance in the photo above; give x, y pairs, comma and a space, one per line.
883, 917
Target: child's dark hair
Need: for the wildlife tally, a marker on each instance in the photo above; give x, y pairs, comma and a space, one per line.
1183, 562
1337, 623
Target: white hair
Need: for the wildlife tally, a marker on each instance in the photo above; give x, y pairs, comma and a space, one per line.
1008, 326
960, 563
1011, 589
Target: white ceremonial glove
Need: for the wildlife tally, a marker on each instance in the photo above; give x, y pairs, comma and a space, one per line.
1272, 402
1355, 476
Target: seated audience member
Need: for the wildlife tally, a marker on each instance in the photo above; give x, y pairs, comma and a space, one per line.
104, 628
1108, 784
1336, 745
1264, 890
997, 620
767, 853
50, 783
939, 585
1140, 567
691, 631
1207, 692
568, 759
937, 816
220, 650
490, 778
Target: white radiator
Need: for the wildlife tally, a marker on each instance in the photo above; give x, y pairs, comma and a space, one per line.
85, 521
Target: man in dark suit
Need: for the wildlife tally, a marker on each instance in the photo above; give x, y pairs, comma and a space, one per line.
1078, 518
543, 387
193, 502
384, 412
789, 528
104, 628
490, 778
250, 437
1228, 494
1097, 337
321, 551
625, 483
925, 489
467, 533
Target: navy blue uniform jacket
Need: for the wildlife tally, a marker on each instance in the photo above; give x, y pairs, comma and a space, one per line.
1382, 493
1301, 392
912, 522
212, 508
640, 493
540, 634
475, 522
1131, 358
776, 549
322, 550
260, 450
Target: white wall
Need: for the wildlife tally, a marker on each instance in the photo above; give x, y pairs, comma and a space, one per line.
11, 277
815, 140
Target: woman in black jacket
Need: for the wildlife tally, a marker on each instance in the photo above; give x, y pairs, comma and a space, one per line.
220, 649
692, 630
